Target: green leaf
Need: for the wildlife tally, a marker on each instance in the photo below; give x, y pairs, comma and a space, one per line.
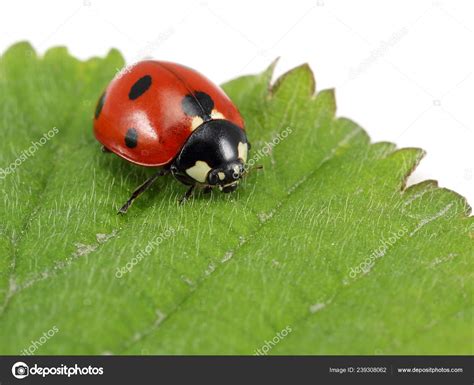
323, 251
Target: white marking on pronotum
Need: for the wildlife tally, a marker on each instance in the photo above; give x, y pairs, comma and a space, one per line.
196, 122
199, 171
425, 221
243, 151
217, 115
221, 175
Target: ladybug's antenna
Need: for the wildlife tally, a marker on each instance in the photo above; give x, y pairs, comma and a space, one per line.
257, 167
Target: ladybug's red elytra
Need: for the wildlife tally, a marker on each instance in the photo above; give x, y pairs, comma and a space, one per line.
162, 114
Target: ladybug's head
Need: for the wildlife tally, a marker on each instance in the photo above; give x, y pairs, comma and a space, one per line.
214, 155
227, 176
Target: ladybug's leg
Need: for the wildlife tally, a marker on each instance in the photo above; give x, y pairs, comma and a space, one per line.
187, 194
207, 190
105, 149
141, 189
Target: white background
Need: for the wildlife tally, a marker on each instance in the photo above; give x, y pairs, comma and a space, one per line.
402, 69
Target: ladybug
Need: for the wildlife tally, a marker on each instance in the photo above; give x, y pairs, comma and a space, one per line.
166, 115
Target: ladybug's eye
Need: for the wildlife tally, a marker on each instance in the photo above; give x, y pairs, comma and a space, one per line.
212, 178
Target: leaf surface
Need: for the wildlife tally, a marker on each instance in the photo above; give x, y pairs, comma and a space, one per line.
325, 242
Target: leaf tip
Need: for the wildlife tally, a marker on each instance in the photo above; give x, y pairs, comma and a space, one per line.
114, 54
271, 68
304, 70
21, 48
410, 159
327, 98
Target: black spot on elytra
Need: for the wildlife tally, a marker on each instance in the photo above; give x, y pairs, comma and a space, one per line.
198, 104
140, 86
99, 106
131, 138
